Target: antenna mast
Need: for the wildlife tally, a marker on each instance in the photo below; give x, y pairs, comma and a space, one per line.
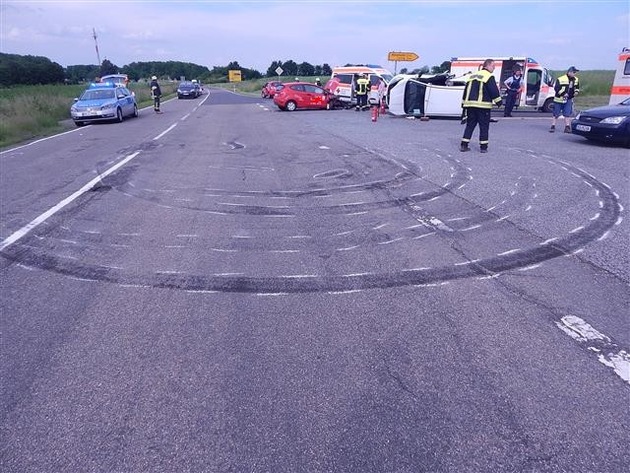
98, 55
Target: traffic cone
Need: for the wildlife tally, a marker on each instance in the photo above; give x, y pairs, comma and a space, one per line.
382, 111
374, 113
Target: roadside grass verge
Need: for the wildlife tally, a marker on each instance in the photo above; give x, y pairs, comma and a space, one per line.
35, 111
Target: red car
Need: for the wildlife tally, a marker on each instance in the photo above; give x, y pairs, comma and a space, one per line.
270, 89
296, 95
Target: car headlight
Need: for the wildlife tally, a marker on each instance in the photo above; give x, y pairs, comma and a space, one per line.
106, 106
613, 120
179, 91
577, 117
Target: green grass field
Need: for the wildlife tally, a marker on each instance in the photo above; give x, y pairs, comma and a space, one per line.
30, 112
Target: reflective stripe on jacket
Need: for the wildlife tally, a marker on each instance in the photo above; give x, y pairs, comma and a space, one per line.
481, 90
363, 85
563, 86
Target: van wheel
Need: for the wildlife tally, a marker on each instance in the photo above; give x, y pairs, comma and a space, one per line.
79, 123
291, 106
547, 106
135, 111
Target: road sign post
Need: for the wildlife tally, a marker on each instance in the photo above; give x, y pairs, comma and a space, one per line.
401, 56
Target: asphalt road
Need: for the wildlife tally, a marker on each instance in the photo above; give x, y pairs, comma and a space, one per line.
229, 288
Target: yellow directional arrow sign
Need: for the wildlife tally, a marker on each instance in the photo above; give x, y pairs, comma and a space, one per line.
401, 56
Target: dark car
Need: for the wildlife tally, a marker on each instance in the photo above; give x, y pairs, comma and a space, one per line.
104, 102
187, 90
270, 89
608, 124
302, 95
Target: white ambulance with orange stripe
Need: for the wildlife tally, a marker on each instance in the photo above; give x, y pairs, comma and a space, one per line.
621, 84
539, 81
343, 79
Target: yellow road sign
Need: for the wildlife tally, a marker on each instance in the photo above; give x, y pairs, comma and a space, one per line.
234, 75
402, 56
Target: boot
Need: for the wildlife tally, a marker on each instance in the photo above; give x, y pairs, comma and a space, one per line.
552, 129
567, 129
463, 147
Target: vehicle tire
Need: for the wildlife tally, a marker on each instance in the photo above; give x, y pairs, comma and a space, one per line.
79, 123
547, 106
136, 113
291, 106
119, 115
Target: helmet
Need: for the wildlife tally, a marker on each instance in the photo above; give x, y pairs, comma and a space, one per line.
316, 78
154, 78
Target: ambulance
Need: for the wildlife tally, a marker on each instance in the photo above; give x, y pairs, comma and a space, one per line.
539, 91
343, 79
621, 84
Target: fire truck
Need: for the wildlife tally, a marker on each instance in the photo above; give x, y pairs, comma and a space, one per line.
539, 81
621, 84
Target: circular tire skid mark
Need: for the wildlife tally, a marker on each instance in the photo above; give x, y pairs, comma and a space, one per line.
609, 213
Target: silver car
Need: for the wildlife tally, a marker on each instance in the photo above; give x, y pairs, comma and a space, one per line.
104, 102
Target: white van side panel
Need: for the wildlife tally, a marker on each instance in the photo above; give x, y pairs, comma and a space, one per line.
621, 84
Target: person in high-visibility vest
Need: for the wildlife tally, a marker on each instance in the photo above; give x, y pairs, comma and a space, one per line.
566, 87
156, 94
362, 88
480, 93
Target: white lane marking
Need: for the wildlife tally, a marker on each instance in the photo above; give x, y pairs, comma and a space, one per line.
165, 132
324, 147
49, 213
43, 139
612, 356
546, 242
575, 230
185, 117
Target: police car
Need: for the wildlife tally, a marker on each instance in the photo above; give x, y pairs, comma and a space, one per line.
104, 102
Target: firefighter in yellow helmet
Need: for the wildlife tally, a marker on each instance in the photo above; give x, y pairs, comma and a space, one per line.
480, 93
362, 89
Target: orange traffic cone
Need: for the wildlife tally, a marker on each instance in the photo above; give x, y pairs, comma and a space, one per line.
374, 113
382, 111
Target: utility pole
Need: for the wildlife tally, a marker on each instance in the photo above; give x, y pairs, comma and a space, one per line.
98, 55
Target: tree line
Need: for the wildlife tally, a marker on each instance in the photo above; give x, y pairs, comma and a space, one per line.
16, 69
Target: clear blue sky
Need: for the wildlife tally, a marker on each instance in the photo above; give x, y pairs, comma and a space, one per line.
588, 34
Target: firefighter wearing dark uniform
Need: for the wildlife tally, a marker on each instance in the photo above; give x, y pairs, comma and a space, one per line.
362, 88
480, 93
156, 94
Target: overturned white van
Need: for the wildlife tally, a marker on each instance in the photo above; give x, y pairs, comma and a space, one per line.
436, 95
